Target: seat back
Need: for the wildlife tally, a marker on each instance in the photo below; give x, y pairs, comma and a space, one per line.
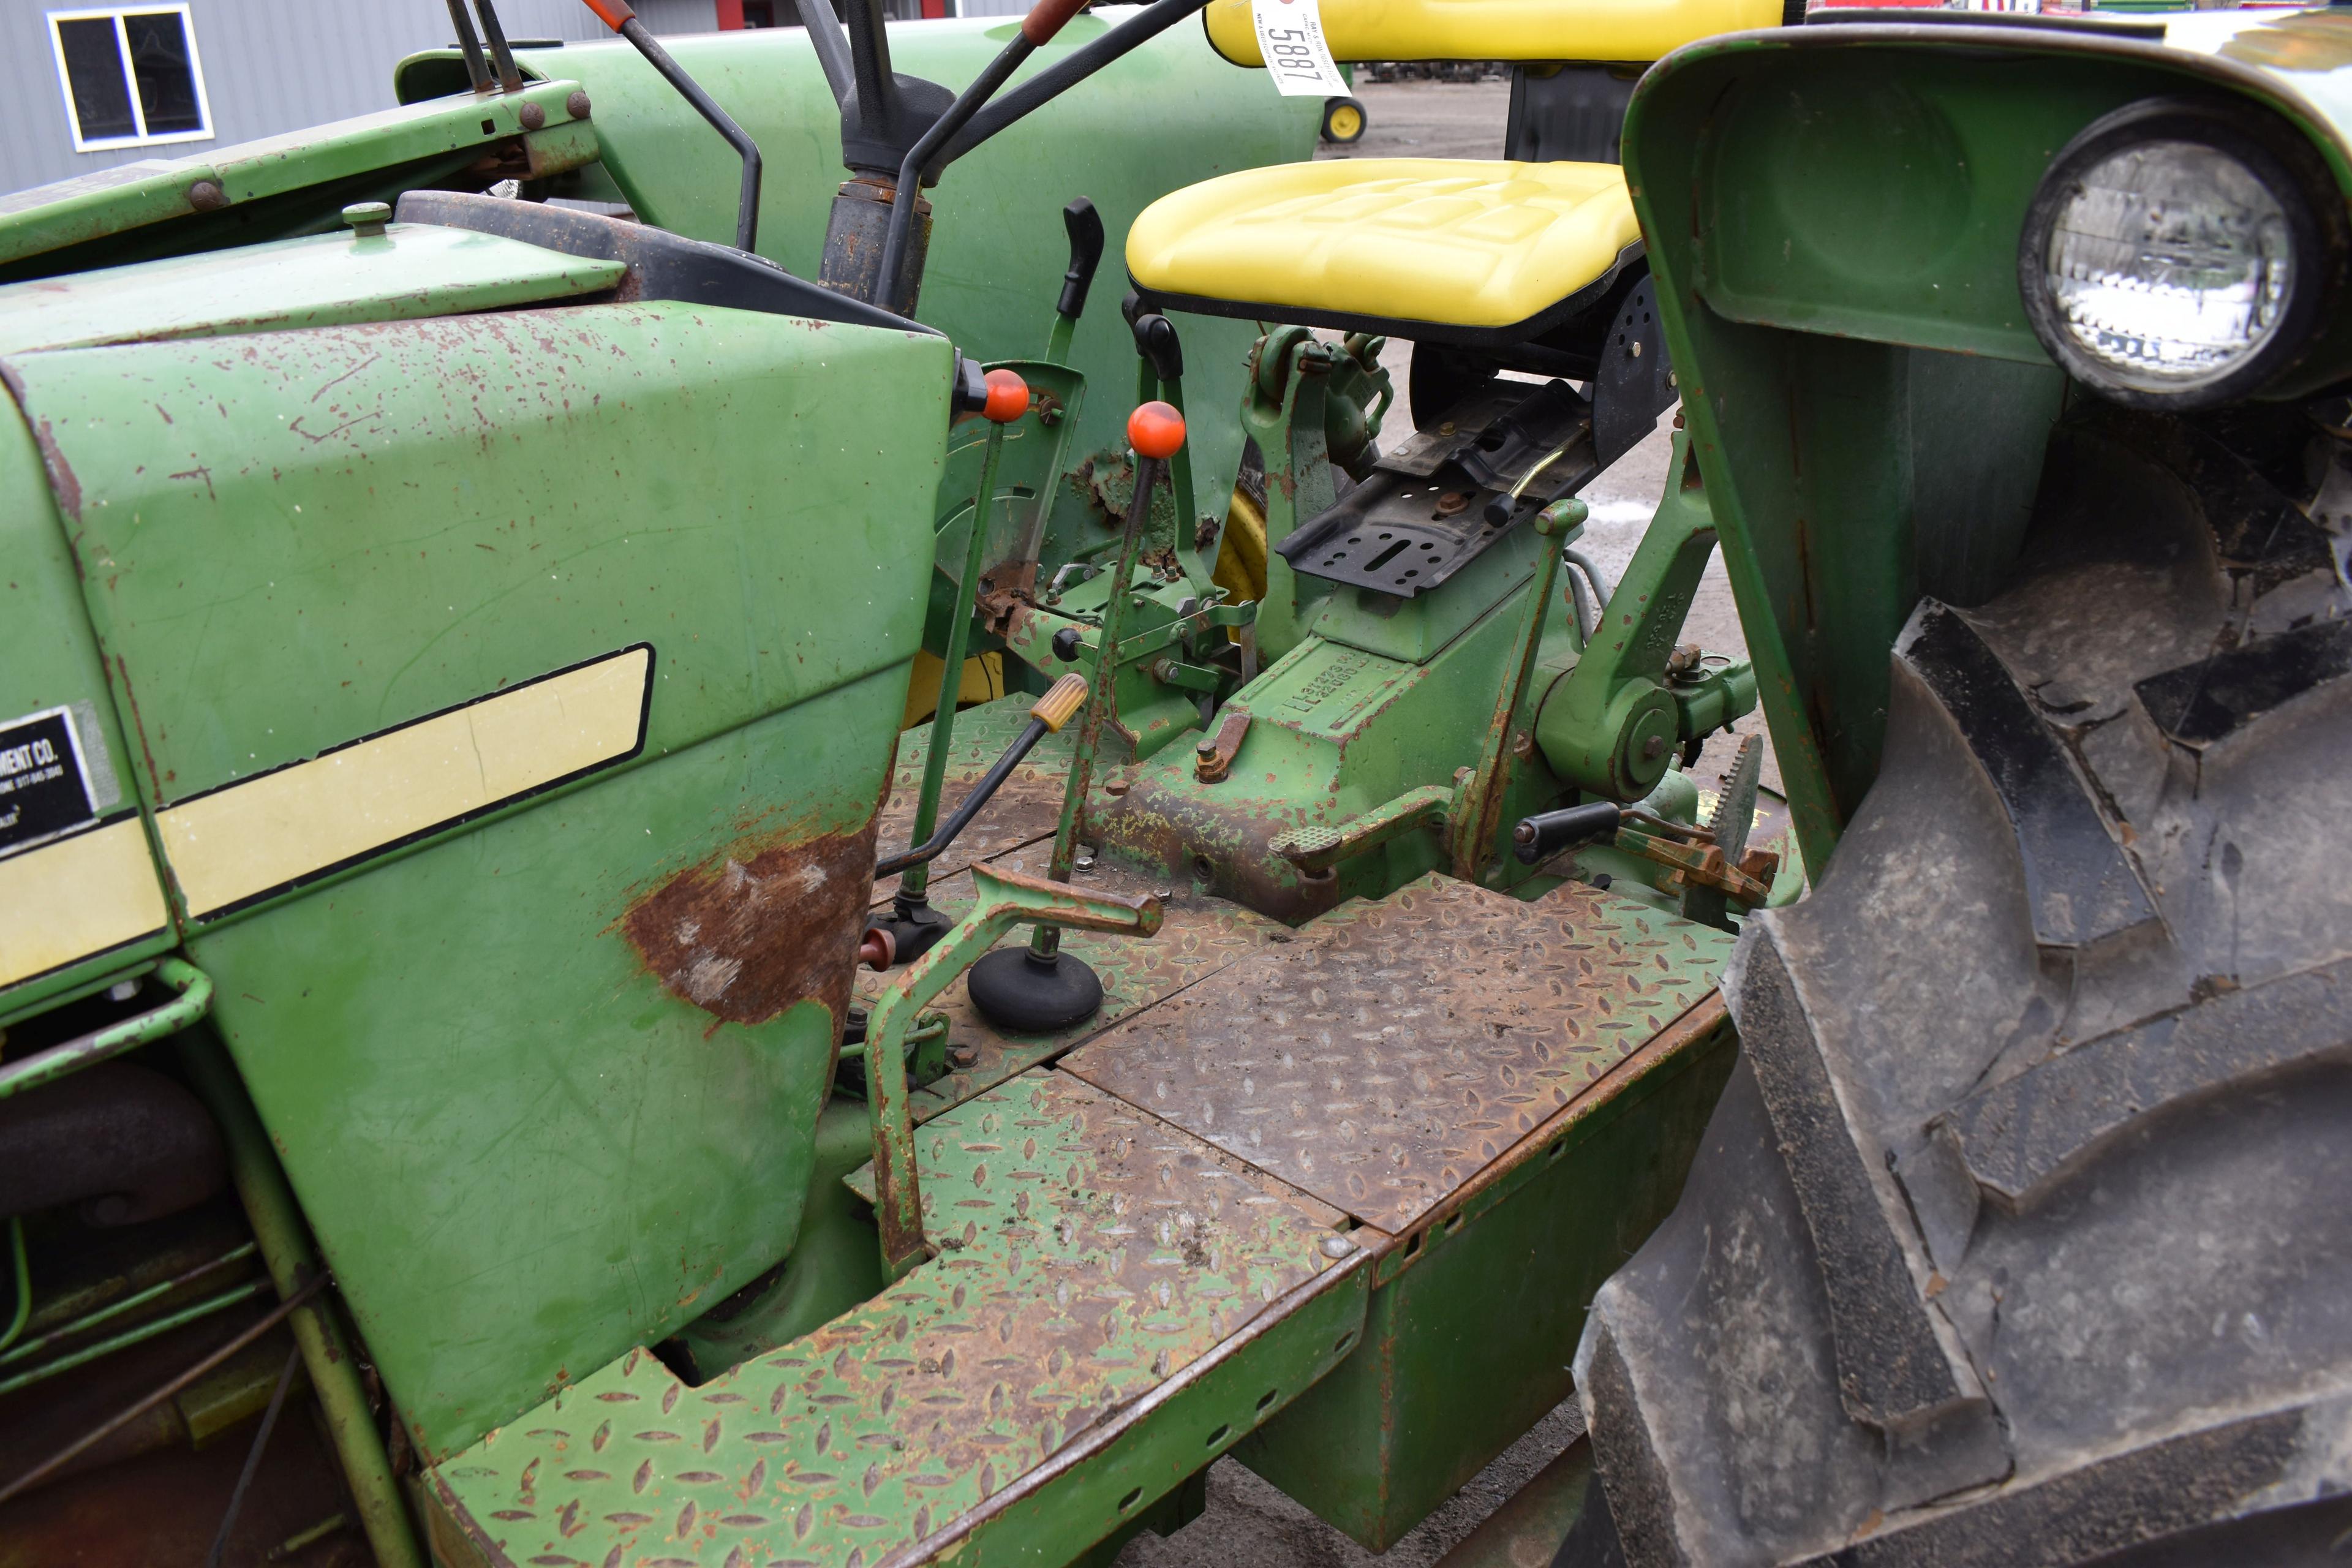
1594, 30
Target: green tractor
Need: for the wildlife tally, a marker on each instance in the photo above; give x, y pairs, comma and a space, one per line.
663, 901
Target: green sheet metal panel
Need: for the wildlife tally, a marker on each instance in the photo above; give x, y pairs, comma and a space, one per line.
1837, 270
49, 659
278, 185
1167, 116
1469, 1346
545, 1079
411, 270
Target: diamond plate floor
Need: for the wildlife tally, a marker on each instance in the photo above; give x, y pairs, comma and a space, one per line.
1394, 1049
1096, 1268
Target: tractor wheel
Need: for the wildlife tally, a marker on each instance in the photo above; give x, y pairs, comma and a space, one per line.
1343, 121
2023, 1233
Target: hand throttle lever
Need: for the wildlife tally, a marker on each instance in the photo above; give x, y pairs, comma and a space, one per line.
1046, 716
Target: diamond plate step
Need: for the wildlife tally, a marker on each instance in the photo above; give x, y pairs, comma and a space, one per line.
1396, 1049
1114, 1303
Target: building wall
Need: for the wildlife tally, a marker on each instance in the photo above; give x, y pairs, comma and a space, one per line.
274, 65
269, 67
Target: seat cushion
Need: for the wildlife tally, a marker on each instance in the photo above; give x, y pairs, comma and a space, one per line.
1389, 243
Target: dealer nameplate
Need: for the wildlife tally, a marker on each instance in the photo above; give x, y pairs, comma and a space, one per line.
44, 787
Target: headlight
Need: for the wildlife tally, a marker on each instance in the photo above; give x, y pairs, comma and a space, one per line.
2178, 252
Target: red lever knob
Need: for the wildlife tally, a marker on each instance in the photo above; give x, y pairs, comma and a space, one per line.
1008, 397
879, 950
1155, 430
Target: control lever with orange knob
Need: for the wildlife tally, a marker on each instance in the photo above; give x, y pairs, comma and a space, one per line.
914, 925
1040, 989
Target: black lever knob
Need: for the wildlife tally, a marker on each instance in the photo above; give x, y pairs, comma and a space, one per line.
1155, 340
1067, 645
969, 395
1086, 229
1546, 834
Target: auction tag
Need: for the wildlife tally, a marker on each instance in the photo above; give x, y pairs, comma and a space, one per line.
1290, 41
44, 787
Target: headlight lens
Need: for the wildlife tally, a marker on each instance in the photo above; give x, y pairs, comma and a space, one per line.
2170, 262
2174, 255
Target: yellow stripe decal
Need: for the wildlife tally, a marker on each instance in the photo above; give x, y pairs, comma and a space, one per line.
76, 896
247, 839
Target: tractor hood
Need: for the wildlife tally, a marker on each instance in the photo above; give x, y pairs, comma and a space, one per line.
404, 273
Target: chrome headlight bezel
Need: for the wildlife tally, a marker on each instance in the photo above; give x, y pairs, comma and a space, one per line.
2286, 166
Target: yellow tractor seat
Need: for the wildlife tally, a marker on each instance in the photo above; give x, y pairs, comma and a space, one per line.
1450, 250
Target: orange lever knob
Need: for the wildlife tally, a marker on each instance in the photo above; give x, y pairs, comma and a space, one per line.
1155, 430
1045, 19
1061, 702
1008, 397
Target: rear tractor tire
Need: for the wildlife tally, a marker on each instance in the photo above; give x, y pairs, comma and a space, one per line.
2023, 1233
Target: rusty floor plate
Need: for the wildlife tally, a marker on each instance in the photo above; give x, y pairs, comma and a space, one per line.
1095, 1266
1394, 1049
1201, 936
1026, 807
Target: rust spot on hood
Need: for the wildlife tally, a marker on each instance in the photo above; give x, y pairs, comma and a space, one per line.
751, 932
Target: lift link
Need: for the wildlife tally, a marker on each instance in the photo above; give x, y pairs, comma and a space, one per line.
1476, 818
1044, 989
1613, 727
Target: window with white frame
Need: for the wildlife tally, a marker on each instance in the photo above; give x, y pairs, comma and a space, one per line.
131, 76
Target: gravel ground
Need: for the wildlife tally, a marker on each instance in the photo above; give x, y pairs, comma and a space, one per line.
1248, 1523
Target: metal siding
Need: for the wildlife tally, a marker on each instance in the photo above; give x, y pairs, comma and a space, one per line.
681, 15
269, 67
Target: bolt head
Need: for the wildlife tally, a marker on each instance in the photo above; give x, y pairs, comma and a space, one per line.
532, 116
206, 196
962, 1056
1337, 1246
1654, 747
576, 105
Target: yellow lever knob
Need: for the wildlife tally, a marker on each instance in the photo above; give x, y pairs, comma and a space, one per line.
1061, 702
